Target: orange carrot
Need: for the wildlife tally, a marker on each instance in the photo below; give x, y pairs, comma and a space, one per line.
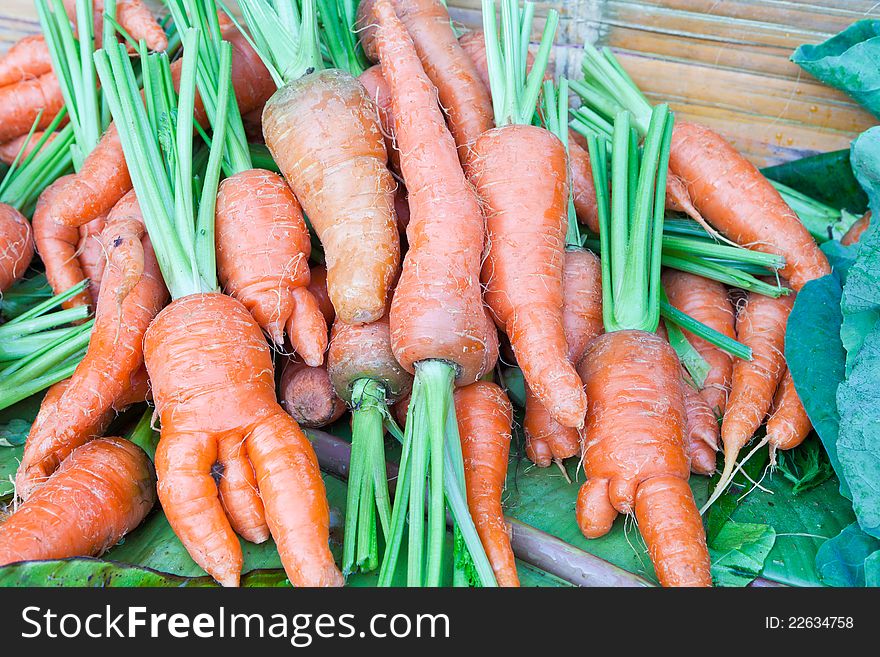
439, 327
101, 492
27, 58
22, 103
377, 90
131, 295
634, 455
788, 425
17, 245
318, 288
741, 203
263, 249
707, 302
237, 485
855, 232
190, 384
462, 95
437, 311
91, 253
526, 210
307, 394
346, 191
546, 439
364, 352
484, 424
10, 150
760, 324
103, 178
702, 431
57, 245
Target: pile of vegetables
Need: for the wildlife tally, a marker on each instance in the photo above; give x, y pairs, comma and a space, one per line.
223, 232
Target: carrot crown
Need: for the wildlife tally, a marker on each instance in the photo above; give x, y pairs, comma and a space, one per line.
156, 136
631, 225
515, 88
202, 14
284, 33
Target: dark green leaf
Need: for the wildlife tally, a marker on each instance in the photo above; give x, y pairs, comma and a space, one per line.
848, 61
827, 177
858, 447
738, 552
841, 560
865, 160
14, 432
806, 466
816, 358
872, 570
97, 573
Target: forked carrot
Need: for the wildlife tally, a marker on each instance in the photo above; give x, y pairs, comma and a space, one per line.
27, 58
31, 101
702, 431
788, 424
24, 144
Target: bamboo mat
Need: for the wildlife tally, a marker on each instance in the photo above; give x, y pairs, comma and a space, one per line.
720, 62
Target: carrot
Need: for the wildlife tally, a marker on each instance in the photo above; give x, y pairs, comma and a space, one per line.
706, 301
439, 328
18, 245
29, 102
635, 453
526, 209
57, 245
24, 144
337, 169
131, 295
702, 431
377, 90
462, 95
27, 58
191, 430
546, 439
760, 324
788, 424
307, 394
263, 249
740, 202
855, 232
239, 494
318, 288
134, 16
104, 177
91, 253
100, 493
366, 375
485, 417
191, 371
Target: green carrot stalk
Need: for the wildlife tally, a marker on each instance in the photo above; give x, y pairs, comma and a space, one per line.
143, 435
822, 221
338, 35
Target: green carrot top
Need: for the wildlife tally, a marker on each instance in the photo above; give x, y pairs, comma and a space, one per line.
156, 136
515, 88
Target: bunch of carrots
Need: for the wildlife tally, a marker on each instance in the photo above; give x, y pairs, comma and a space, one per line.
426, 202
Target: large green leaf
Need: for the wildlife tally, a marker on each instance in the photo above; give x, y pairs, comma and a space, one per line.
101, 573
816, 358
738, 552
18, 414
848, 61
827, 177
858, 447
841, 560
